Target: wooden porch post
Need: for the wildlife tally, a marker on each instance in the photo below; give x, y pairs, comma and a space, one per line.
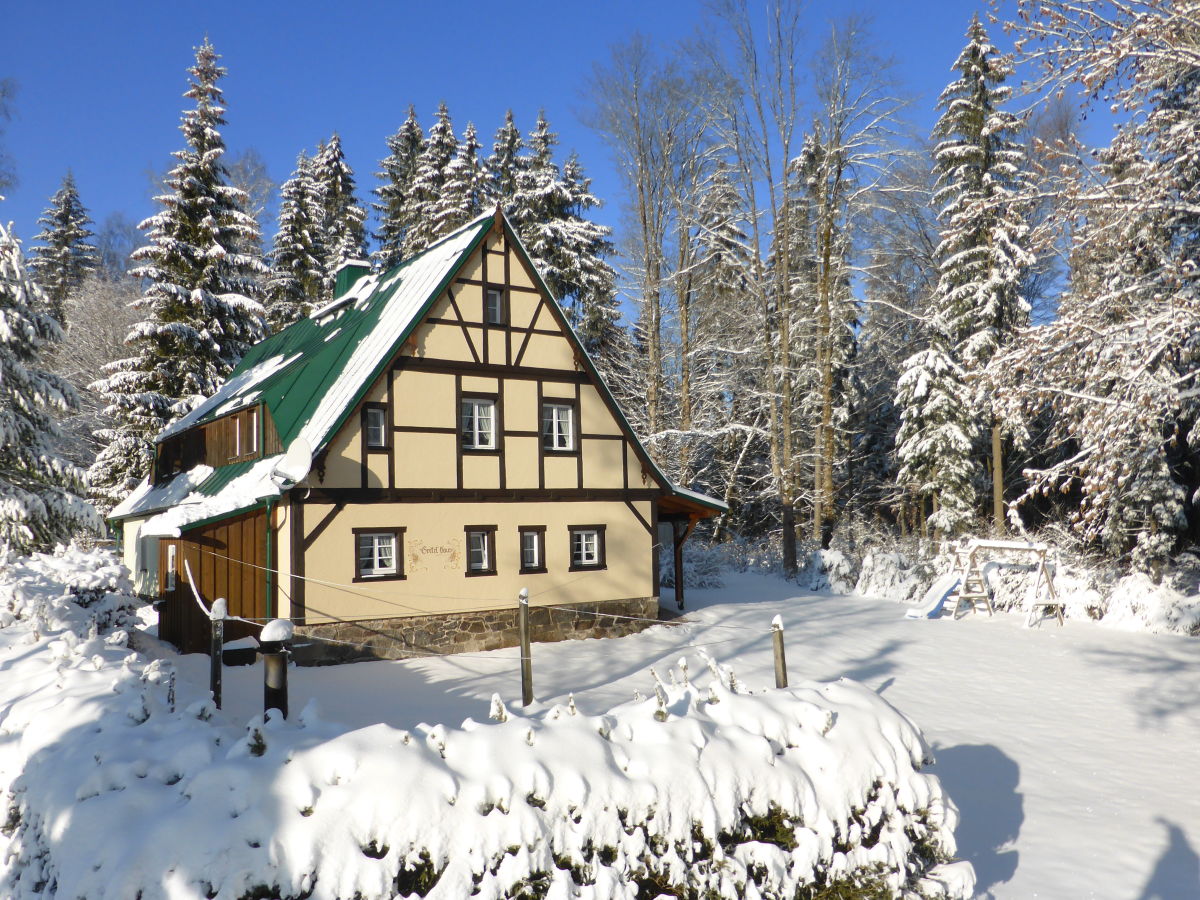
678, 542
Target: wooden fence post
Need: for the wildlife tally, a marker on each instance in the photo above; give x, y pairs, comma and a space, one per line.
780, 662
526, 658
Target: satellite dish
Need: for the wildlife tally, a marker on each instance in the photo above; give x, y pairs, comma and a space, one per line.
296, 462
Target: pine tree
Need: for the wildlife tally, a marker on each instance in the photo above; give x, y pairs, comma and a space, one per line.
297, 271
66, 257
977, 305
505, 162
428, 183
200, 304
463, 193
937, 434
978, 164
397, 173
546, 209
342, 233
39, 491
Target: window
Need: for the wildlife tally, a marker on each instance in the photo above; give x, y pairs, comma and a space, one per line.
481, 549
375, 425
172, 549
379, 553
235, 448
558, 426
587, 547
252, 431
478, 424
533, 548
493, 311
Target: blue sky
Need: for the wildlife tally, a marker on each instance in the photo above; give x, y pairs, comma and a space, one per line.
100, 85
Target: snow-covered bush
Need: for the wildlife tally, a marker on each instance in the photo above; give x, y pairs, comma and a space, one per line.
702, 789
827, 570
894, 574
702, 565
53, 587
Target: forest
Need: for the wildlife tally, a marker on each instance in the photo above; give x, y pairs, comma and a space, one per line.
837, 325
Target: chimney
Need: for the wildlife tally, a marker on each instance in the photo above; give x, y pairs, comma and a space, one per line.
348, 274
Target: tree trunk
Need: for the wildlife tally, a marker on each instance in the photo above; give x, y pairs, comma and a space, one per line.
997, 480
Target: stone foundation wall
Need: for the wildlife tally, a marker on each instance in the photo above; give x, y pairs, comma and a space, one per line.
419, 636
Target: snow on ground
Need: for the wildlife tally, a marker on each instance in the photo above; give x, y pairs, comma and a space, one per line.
122, 781
1070, 751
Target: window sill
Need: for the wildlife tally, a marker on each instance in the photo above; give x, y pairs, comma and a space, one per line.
539, 570
399, 576
596, 567
475, 573
558, 451
481, 451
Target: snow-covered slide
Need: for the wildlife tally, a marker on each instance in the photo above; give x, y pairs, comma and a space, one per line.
935, 598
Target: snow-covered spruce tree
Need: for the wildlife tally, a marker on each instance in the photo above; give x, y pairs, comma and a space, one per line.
297, 270
201, 312
979, 167
39, 491
982, 259
396, 173
547, 211
428, 182
66, 257
342, 235
937, 432
465, 188
1115, 376
505, 162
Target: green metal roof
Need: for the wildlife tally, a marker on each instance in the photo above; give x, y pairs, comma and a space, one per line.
344, 345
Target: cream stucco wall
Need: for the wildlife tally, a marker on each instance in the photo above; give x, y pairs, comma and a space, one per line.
435, 558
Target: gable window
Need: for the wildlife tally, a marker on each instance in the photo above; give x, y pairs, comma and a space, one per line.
481, 549
587, 547
533, 548
379, 553
558, 426
478, 417
493, 306
375, 426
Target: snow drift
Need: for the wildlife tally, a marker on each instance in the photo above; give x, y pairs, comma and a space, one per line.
702, 786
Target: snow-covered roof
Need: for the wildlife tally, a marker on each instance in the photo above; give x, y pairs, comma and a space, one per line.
201, 495
311, 375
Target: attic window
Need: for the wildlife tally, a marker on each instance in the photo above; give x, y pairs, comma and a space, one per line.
375, 426
493, 311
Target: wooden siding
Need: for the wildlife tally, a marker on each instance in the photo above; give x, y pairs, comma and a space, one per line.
218, 555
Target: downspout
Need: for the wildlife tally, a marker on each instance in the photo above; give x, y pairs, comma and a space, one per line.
270, 558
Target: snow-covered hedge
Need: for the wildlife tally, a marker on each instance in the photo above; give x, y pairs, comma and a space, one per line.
701, 789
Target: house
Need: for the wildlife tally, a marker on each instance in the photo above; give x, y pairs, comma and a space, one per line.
393, 470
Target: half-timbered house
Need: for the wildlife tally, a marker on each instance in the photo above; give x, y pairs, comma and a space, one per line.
393, 470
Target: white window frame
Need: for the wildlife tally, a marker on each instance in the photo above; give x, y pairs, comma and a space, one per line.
374, 412
378, 540
473, 437
558, 426
172, 563
488, 294
252, 437
481, 550
582, 556
237, 437
531, 550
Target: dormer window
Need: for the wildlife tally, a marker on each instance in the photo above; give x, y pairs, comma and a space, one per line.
251, 432
235, 446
